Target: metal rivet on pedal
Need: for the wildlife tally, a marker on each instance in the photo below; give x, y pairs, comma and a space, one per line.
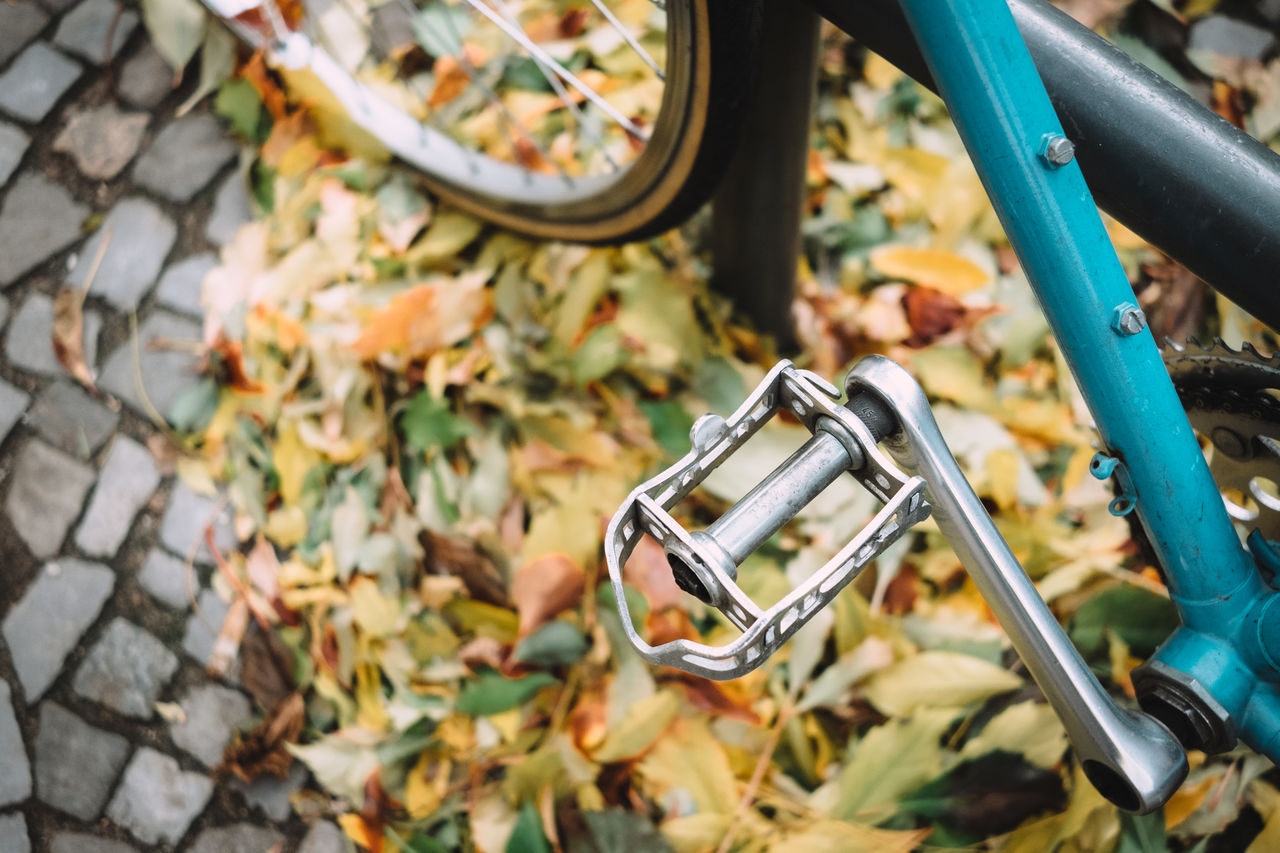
1057, 150
706, 431
1128, 319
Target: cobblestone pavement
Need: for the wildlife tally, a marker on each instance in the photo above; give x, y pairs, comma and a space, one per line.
102, 621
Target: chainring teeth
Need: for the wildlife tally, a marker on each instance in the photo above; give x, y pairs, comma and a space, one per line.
1231, 390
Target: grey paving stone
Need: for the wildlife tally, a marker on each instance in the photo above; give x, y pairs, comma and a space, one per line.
237, 838
4, 310
13, 144
203, 626
1229, 37
140, 237
212, 713
13, 403
46, 494
76, 763
19, 23
75, 842
156, 800
391, 26
70, 419
271, 794
326, 837
38, 219
146, 78
231, 209
102, 140
185, 520
13, 834
30, 342
181, 283
15, 780
125, 484
85, 29
169, 580
35, 81
184, 157
126, 670
166, 370
60, 605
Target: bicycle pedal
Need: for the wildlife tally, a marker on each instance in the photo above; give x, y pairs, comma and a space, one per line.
705, 562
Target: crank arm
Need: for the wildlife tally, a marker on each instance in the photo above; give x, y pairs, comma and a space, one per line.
705, 562
1130, 758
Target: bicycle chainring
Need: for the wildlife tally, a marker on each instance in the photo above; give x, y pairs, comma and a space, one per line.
1232, 398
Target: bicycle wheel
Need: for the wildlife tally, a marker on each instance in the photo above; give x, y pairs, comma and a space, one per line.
535, 115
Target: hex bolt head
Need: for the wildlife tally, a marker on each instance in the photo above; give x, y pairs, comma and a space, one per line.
1128, 319
1056, 150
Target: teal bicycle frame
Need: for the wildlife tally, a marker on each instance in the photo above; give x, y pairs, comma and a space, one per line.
1226, 654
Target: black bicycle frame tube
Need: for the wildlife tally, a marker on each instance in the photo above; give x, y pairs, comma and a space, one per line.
1188, 182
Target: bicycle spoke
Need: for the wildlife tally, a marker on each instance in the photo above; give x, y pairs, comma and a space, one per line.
588, 127
630, 39
565, 74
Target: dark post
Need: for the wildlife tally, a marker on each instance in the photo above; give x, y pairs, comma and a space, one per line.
757, 210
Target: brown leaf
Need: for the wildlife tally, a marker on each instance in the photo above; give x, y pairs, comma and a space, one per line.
716, 698
262, 751
452, 555
648, 571
231, 355
482, 652
931, 314
544, 587
68, 335
900, 596
377, 810
266, 667
1174, 300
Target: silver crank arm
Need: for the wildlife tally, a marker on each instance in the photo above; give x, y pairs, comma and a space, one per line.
1129, 757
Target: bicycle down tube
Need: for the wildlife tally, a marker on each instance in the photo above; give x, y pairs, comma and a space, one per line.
1223, 661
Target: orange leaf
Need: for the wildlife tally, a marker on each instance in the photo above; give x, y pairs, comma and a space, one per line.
550, 584
649, 572
427, 317
232, 353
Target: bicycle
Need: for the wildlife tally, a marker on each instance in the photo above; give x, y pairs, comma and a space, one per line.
1218, 677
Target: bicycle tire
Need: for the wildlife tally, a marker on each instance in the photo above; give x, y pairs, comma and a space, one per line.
711, 50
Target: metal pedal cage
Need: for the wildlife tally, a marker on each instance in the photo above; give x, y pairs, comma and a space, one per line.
647, 511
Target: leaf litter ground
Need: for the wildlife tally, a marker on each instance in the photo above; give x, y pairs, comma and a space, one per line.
423, 425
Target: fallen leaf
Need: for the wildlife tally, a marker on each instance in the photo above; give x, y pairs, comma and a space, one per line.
545, 587
264, 751
952, 274
266, 668
937, 679
455, 556
426, 317
68, 335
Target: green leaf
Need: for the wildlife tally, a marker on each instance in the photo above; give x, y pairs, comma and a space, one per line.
239, 103
493, 693
1141, 618
176, 28
195, 406
670, 424
617, 830
554, 644
217, 61
429, 422
600, 354
1143, 834
527, 837
523, 73
440, 28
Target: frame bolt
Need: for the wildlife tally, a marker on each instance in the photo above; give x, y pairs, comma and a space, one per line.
1128, 319
1057, 150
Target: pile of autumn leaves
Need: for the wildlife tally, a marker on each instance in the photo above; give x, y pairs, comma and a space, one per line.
424, 424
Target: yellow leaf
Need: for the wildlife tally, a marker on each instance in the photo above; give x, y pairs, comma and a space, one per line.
953, 373
485, 620
286, 526
425, 787
937, 679
1188, 798
689, 758
450, 232
370, 713
333, 121
948, 272
889, 761
1031, 729
1003, 467
292, 460
849, 838
376, 614
639, 727
697, 833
